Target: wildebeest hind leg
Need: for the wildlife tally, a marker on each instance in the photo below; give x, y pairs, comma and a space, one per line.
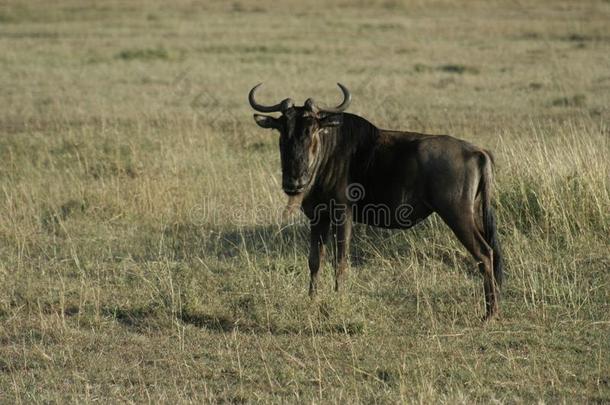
465, 229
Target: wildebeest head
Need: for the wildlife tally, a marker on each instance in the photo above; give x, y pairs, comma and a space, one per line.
299, 128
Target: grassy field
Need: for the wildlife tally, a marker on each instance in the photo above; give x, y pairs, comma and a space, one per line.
143, 257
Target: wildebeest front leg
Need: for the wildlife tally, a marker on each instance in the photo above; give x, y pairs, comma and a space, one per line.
341, 262
319, 236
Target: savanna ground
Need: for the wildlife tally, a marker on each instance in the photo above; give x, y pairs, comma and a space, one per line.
142, 253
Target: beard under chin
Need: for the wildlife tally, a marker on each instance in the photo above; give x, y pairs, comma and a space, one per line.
293, 204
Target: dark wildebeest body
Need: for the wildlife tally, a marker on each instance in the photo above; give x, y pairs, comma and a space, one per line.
345, 169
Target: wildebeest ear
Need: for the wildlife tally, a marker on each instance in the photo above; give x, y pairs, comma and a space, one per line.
266, 121
332, 120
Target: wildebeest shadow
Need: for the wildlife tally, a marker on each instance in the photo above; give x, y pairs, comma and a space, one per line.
149, 319
140, 319
189, 240
186, 241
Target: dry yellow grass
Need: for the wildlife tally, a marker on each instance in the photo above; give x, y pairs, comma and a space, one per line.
142, 252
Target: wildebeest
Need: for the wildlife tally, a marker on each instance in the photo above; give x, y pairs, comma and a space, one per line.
342, 169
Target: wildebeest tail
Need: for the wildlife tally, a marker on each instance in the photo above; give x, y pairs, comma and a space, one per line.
489, 218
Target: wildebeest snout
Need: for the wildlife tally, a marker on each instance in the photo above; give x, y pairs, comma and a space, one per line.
293, 185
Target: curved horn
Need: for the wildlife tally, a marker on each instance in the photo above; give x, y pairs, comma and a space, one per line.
284, 105
311, 105
347, 99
